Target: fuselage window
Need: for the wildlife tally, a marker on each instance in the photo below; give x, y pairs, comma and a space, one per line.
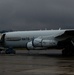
27, 38
13, 39
23, 39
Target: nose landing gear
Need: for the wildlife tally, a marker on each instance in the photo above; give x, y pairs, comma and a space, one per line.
10, 51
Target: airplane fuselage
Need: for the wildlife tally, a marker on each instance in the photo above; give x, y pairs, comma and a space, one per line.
21, 38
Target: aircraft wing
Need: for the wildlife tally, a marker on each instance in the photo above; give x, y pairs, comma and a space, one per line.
68, 34
66, 39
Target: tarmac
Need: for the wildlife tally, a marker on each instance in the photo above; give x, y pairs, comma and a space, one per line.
36, 63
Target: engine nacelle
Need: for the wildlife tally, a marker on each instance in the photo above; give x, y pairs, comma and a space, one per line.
37, 42
31, 47
49, 43
44, 43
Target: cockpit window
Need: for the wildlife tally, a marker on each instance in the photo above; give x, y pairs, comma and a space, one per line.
13, 39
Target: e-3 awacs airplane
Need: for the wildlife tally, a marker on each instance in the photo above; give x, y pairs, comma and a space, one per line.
38, 40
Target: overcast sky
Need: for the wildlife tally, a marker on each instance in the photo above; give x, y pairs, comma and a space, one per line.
36, 14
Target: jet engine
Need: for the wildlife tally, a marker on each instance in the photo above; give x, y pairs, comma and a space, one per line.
31, 47
44, 43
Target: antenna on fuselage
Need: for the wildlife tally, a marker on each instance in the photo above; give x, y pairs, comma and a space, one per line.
59, 28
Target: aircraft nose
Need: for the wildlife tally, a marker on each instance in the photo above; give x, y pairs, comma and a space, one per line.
0, 37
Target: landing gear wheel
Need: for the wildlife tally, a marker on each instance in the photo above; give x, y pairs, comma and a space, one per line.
10, 51
68, 52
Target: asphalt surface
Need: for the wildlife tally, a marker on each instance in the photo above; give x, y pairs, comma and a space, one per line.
36, 63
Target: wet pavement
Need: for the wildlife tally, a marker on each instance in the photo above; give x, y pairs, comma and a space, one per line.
36, 64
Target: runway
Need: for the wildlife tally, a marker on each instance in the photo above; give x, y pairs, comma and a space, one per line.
36, 63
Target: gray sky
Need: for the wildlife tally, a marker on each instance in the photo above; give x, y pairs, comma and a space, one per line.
36, 14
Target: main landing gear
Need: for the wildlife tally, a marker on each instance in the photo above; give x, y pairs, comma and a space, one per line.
69, 51
68, 47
